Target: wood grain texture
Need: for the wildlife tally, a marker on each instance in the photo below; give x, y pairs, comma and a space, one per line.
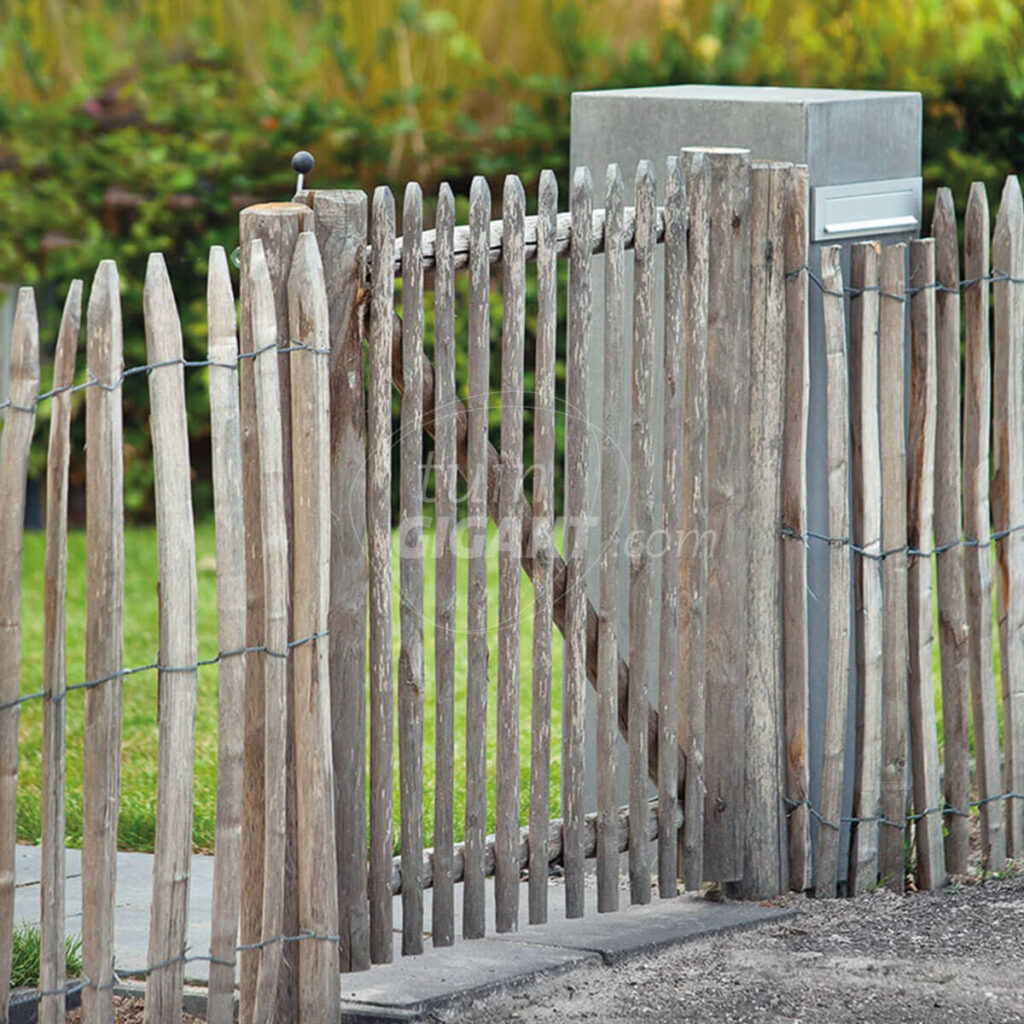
609, 565
728, 488
378, 514
794, 516
576, 540
277, 225
542, 543
693, 528
763, 785
229, 518
410, 545
865, 267
276, 586
949, 563
340, 225
54, 751
920, 510
510, 528
308, 320
978, 558
1008, 493
14, 453
641, 528
895, 618
104, 632
178, 678
528, 562
866, 476
446, 475
476, 471
838, 668
674, 365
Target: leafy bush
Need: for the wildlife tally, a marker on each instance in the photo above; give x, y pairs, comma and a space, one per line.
123, 133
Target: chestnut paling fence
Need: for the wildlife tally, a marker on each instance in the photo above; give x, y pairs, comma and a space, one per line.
711, 692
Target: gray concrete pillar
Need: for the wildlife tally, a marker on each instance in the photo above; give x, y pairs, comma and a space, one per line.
863, 154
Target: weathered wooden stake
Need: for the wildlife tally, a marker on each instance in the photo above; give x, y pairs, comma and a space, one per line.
978, 559
543, 542
226, 450
839, 575
865, 260
920, 508
51, 911
104, 632
178, 678
14, 453
895, 619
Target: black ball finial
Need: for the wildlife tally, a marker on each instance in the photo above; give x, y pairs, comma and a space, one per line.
302, 162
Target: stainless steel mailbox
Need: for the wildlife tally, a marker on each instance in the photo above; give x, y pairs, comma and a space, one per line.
865, 209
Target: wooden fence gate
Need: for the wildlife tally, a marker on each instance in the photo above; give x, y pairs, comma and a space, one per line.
711, 694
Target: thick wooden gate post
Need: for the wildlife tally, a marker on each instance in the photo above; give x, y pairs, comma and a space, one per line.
340, 224
277, 225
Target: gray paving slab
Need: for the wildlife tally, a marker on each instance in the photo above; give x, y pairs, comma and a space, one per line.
633, 931
413, 986
466, 970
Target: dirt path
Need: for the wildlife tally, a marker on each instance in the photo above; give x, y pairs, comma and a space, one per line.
956, 955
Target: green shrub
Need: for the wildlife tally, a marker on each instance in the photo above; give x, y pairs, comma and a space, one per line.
123, 133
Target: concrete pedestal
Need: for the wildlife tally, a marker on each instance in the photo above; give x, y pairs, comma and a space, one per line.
844, 138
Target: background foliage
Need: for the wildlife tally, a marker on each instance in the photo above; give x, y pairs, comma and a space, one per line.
135, 125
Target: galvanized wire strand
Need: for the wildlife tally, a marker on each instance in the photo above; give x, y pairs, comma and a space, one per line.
183, 958
155, 666
910, 819
907, 549
91, 380
994, 277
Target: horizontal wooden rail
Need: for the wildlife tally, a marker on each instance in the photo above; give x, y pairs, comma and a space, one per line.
554, 846
496, 234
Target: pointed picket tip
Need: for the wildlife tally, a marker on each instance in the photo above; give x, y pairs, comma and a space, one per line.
24, 367
156, 271
160, 312
104, 339
645, 176
67, 337
675, 189
445, 197
547, 189
582, 182
613, 184
1009, 222
383, 202
945, 211
480, 192
105, 288
306, 261
513, 194
977, 198
977, 224
947, 250
220, 307
413, 194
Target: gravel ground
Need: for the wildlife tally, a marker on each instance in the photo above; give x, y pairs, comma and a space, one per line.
955, 955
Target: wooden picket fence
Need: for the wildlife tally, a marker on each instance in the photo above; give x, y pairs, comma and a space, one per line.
712, 694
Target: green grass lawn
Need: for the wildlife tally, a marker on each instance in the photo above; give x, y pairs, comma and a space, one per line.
140, 735
138, 758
